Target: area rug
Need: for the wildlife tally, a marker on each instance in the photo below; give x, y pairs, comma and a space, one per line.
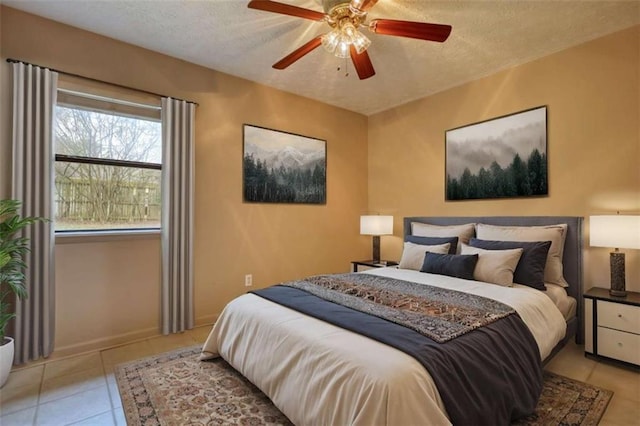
176, 388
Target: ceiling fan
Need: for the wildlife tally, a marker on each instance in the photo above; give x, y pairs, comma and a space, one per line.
346, 17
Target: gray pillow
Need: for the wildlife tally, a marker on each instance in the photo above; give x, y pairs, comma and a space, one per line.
494, 266
555, 233
413, 254
453, 265
434, 241
463, 232
530, 269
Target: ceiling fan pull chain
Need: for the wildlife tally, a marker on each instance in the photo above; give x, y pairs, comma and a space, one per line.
346, 68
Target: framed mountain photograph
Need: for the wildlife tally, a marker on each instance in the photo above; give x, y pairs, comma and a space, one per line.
281, 167
499, 158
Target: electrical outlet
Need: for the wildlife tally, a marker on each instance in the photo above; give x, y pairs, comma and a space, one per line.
248, 280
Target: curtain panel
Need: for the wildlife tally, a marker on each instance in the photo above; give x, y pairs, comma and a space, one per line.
177, 215
34, 99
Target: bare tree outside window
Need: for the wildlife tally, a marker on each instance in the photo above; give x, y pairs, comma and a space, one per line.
107, 170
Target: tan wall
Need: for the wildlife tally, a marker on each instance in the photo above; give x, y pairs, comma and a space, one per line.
592, 92
108, 291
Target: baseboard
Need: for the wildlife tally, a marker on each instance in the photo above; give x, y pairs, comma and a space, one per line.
104, 343
206, 320
110, 342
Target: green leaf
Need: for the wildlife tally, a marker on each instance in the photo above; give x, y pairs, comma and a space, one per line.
13, 246
4, 259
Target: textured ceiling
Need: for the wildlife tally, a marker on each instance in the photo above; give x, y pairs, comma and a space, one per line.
226, 36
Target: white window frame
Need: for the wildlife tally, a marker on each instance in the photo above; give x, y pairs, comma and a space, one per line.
102, 104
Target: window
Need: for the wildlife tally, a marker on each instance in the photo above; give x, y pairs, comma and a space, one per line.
108, 161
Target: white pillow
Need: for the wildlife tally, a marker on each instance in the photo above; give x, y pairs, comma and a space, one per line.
494, 266
554, 233
463, 232
413, 254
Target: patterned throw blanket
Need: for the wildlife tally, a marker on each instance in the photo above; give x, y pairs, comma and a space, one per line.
437, 313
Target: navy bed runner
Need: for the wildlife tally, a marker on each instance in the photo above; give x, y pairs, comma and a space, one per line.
489, 376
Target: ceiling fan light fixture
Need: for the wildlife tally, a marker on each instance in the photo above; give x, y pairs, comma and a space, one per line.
348, 30
330, 40
339, 40
361, 42
343, 50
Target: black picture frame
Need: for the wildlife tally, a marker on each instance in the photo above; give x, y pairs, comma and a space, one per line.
503, 157
283, 167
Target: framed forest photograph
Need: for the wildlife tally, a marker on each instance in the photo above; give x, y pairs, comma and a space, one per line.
498, 158
281, 167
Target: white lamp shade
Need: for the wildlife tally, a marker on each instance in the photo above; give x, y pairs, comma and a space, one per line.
615, 231
376, 225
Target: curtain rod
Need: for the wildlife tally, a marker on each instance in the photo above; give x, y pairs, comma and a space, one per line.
122, 86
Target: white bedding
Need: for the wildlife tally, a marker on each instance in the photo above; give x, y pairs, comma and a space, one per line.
565, 303
317, 373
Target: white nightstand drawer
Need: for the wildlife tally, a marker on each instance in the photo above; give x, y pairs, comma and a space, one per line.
619, 316
619, 345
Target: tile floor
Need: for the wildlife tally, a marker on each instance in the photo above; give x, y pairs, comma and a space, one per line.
624, 407
82, 390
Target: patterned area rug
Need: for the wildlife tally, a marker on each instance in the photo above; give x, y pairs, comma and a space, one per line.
177, 389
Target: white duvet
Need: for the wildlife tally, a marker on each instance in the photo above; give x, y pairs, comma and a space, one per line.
319, 374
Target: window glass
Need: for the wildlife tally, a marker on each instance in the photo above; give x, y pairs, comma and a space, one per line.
107, 170
94, 134
90, 196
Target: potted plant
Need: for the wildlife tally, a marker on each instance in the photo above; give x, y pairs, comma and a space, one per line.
12, 249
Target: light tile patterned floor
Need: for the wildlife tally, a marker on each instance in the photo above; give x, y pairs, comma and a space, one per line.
79, 390
82, 390
624, 408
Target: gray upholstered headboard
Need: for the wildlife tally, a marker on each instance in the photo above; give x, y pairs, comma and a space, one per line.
572, 259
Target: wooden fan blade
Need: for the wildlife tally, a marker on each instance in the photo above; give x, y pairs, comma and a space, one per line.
363, 5
285, 9
298, 53
362, 64
419, 30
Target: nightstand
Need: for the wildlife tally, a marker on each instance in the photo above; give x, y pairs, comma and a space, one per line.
612, 325
368, 264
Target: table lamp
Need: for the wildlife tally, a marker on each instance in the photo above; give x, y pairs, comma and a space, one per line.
617, 231
376, 225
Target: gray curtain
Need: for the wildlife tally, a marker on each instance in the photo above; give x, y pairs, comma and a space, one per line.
34, 99
177, 215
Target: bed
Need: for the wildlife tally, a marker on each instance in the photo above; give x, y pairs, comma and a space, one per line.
316, 372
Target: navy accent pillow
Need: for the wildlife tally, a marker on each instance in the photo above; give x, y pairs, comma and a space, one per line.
454, 265
434, 241
530, 269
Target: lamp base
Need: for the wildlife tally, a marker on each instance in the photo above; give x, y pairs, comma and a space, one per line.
618, 293
616, 260
376, 249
